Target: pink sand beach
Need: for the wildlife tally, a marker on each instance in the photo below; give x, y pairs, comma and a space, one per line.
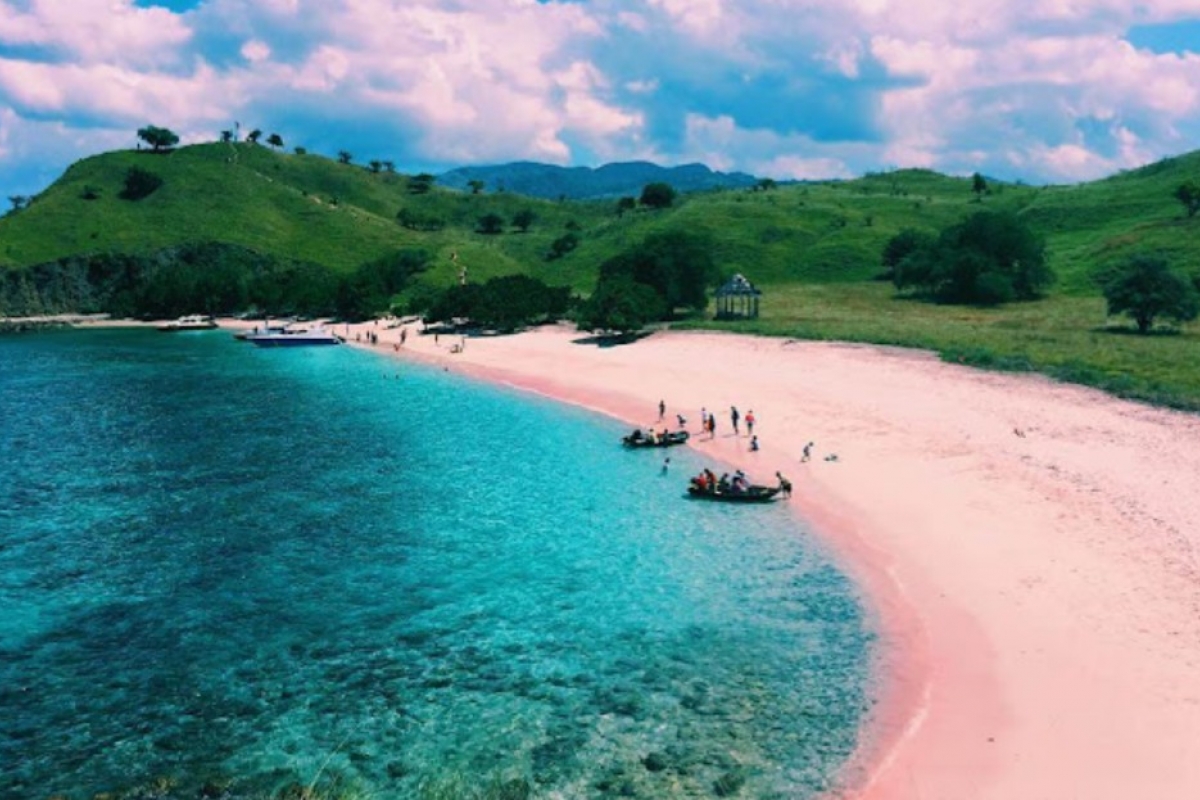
1027, 548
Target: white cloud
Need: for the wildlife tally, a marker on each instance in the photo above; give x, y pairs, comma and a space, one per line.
96, 31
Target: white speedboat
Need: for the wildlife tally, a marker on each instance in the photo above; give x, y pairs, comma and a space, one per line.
294, 337
192, 322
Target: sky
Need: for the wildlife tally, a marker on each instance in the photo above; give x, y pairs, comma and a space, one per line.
1053, 91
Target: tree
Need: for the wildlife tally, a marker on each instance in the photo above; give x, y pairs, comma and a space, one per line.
678, 266
563, 245
275, 140
389, 167
657, 195
253, 136
420, 183
491, 224
978, 186
1145, 287
344, 157
765, 184
901, 246
476, 185
226, 137
375, 166
989, 258
139, 183
18, 201
157, 138
1188, 193
621, 304
523, 219
626, 204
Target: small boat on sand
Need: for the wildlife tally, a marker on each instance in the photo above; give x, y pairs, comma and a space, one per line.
640, 438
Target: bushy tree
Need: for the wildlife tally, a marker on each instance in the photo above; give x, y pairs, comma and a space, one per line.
978, 186
1188, 193
563, 245
158, 138
475, 185
1145, 288
621, 304
139, 183
657, 195
989, 258
523, 219
626, 204
275, 140
420, 183
372, 286
491, 224
678, 266
344, 156
504, 303
901, 246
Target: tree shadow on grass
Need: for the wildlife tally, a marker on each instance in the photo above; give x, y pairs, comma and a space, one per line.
1131, 330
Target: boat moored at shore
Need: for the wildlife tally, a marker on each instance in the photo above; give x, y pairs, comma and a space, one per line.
191, 322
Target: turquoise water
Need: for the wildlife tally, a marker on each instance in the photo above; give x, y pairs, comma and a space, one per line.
219, 563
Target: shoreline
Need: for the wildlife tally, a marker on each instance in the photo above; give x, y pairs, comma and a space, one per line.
1027, 548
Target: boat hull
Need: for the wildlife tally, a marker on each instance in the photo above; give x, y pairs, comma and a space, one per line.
755, 494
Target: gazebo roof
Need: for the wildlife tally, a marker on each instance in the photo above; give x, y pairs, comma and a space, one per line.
738, 286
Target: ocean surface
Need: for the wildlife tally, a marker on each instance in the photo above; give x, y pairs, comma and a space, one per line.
228, 570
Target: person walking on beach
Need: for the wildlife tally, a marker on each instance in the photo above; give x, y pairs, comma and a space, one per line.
712, 426
662, 409
753, 444
750, 422
807, 452
785, 486
682, 421
734, 417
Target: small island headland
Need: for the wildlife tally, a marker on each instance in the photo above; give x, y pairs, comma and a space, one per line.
1027, 547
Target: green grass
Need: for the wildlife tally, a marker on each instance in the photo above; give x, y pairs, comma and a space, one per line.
1068, 338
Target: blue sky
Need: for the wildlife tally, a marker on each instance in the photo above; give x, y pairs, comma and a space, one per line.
1053, 92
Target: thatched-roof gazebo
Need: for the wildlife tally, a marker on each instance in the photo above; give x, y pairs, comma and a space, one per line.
738, 299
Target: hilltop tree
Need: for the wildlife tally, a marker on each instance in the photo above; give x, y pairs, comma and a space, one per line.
389, 167
420, 183
657, 195
275, 140
375, 166
978, 186
344, 157
523, 219
158, 138
18, 201
476, 185
1145, 287
253, 136
226, 136
1188, 193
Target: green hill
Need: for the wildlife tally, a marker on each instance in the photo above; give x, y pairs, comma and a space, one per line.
812, 247
310, 208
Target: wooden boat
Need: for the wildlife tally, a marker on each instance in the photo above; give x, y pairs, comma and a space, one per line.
752, 494
642, 439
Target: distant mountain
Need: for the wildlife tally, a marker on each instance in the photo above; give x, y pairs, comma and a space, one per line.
584, 183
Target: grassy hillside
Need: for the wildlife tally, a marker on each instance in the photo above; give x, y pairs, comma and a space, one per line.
812, 247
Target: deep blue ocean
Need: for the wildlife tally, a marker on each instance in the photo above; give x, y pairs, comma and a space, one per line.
232, 569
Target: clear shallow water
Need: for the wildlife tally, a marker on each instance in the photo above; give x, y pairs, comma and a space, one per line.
219, 562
